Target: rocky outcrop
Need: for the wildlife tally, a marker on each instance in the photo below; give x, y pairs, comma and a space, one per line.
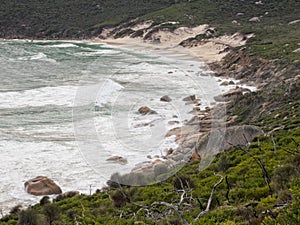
255, 71
42, 185
219, 140
144, 110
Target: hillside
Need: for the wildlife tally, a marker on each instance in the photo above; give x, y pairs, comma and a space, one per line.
68, 19
255, 184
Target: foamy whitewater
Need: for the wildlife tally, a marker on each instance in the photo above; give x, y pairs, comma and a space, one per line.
65, 107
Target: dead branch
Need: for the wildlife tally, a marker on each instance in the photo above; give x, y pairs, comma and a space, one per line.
265, 173
210, 198
259, 162
274, 146
173, 207
186, 199
182, 190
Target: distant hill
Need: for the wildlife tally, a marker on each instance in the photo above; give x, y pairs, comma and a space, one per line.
82, 19
68, 18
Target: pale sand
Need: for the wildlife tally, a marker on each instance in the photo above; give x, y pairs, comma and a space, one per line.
209, 51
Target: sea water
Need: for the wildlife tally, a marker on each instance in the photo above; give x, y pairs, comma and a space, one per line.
66, 107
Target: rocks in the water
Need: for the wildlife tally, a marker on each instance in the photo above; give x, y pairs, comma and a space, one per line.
170, 151
144, 110
42, 185
173, 122
189, 98
165, 98
118, 159
226, 83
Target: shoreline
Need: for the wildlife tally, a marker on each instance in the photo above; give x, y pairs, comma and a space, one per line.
140, 44
186, 136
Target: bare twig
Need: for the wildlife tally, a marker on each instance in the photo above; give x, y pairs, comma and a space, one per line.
210, 198
260, 162
274, 146
182, 190
265, 173
173, 207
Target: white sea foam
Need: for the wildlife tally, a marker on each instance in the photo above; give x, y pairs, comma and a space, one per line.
25, 160
62, 45
60, 96
37, 57
101, 52
63, 96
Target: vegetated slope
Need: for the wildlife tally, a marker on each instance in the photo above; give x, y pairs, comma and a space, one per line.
275, 36
68, 18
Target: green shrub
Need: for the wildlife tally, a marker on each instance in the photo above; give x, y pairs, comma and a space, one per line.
28, 217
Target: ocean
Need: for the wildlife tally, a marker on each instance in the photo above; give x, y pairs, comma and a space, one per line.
66, 107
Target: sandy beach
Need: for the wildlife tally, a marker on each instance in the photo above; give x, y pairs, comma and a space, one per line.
209, 50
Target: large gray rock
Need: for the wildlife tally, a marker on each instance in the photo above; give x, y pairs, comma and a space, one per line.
219, 140
42, 185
